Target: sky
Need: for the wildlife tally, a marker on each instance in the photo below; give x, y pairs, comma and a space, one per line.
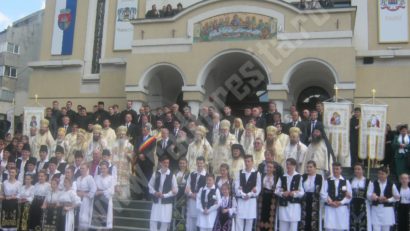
12, 10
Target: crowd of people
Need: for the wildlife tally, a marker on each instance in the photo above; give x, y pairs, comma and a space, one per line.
221, 171
166, 12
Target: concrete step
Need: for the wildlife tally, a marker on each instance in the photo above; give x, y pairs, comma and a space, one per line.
132, 204
127, 228
128, 212
131, 222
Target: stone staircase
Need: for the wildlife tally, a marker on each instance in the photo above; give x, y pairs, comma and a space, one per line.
131, 215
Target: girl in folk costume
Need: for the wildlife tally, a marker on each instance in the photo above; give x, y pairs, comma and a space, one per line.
267, 200
25, 196
403, 210
401, 146
247, 188
69, 175
238, 162
311, 207
52, 210
383, 194
196, 180
41, 188
163, 188
68, 200
227, 209
224, 178
181, 177
207, 204
359, 206
9, 217
336, 193
290, 191
86, 189
102, 214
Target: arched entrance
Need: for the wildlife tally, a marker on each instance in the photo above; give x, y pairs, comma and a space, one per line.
236, 79
310, 81
163, 83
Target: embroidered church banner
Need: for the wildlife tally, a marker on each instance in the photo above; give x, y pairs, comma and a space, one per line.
64, 27
336, 119
393, 21
127, 10
372, 131
32, 117
235, 27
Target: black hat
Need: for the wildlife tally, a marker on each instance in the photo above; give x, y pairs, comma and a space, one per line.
106, 152
26, 147
43, 148
59, 149
240, 147
31, 161
53, 160
403, 126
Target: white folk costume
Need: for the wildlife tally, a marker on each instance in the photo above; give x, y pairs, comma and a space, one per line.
102, 215
9, 218
43, 139
360, 218
336, 189
199, 148
311, 219
122, 152
161, 212
289, 212
382, 214
68, 198
52, 213
86, 185
109, 135
318, 153
222, 151
208, 198
25, 193
40, 192
196, 180
245, 184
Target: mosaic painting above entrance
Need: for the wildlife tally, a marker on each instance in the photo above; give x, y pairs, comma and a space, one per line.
235, 27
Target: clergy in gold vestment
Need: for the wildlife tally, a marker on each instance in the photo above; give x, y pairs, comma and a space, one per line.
44, 137
199, 147
274, 145
122, 151
318, 152
248, 138
295, 148
222, 146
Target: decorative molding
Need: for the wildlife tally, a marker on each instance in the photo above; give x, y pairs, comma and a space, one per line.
277, 87
113, 61
346, 86
193, 89
135, 88
56, 63
383, 53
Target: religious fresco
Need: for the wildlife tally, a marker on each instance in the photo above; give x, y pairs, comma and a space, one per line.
235, 27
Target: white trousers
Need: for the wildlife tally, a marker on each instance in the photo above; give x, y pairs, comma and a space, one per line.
153, 226
244, 223
381, 227
191, 224
288, 226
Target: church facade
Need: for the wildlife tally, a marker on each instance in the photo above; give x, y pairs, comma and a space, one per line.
216, 52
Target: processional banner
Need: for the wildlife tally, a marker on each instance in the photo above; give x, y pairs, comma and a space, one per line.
336, 119
372, 131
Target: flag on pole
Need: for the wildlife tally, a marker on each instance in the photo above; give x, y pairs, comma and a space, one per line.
64, 27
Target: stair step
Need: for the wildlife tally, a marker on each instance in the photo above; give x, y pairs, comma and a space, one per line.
129, 212
131, 222
128, 228
133, 204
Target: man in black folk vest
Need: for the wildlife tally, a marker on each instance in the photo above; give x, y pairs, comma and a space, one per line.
290, 191
163, 187
247, 187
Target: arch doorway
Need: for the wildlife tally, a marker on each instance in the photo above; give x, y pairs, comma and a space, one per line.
310, 81
163, 83
310, 96
236, 79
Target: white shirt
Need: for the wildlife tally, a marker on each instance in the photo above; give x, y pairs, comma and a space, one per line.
309, 184
405, 195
